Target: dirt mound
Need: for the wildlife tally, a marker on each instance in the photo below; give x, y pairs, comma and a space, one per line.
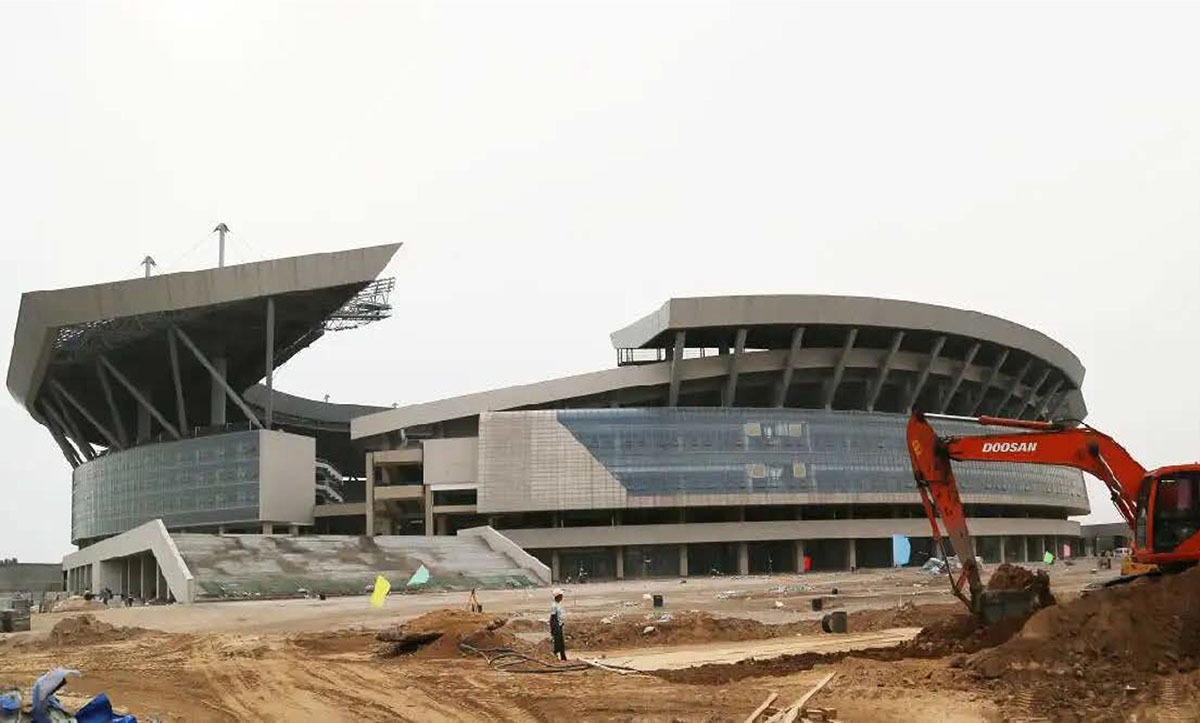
438, 634
75, 605
88, 630
674, 628
1149, 625
1014, 577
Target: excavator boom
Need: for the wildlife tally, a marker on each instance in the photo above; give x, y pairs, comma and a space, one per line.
1040, 443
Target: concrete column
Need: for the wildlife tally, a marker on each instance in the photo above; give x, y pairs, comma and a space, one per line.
852, 555
217, 393
294, 530
1025, 546
143, 420
220, 529
1003, 551
800, 556
370, 498
683, 561
554, 566
620, 562
743, 558
429, 512
127, 581
268, 528
157, 582
442, 524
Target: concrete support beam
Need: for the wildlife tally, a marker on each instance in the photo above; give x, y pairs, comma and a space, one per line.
683, 561
619, 562
987, 384
934, 353
852, 553
144, 431
743, 558
369, 497
1003, 551
958, 378
270, 363
1012, 388
73, 430
730, 391
800, 556
884, 368
56, 431
1043, 407
142, 399
676, 368
1031, 393
785, 379
555, 567
294, 530
113, 410
180, 405
216, 393
268, 528
62, 392
839, 369
217, 371
1025, 544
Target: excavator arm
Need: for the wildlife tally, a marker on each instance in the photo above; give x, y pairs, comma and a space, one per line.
1041, 443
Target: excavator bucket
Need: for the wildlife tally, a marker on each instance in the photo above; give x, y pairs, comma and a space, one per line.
997, 605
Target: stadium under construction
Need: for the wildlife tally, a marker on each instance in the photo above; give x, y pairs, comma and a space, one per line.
746, 434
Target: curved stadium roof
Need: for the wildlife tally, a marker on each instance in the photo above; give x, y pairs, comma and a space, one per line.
833, 352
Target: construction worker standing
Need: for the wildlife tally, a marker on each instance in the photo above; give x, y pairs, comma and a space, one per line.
556, 625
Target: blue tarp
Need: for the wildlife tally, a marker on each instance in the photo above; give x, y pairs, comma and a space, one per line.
99, 710
901, 550
420, 577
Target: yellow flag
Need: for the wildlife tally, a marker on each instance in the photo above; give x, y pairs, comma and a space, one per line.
382, 588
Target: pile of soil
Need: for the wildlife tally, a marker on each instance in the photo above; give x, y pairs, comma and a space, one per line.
438, 634
88, 630
76, 604
1149, 625
1014, 577
626, 631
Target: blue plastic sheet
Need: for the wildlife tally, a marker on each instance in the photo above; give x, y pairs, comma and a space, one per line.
901, 550
99, 710
420, 577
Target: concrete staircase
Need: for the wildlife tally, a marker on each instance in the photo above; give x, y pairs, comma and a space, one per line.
252, 566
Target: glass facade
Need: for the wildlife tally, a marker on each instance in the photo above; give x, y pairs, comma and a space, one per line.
202, 481
722, 451
595, 458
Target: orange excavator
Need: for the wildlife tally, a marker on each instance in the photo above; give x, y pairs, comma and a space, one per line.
1161, 506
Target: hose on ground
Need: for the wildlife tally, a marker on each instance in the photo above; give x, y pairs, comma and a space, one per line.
510, 661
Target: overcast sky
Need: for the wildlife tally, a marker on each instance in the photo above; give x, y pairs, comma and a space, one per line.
558, 169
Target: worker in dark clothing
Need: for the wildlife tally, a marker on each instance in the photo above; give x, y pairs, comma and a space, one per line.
556, 625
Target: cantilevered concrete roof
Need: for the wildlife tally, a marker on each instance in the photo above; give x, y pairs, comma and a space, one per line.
717, 316
67, 328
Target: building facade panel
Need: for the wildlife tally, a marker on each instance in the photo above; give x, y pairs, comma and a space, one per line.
639, 457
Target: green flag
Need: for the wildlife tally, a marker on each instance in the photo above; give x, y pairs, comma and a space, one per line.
1048, 558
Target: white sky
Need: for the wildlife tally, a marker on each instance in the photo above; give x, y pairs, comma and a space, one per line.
558, 169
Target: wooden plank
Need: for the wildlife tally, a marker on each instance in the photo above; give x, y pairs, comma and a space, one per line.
759, 710
789, 714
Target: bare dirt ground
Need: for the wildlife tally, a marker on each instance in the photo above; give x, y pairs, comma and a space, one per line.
318, 660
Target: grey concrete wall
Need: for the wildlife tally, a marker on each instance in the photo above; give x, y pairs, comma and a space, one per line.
451, 461
150, 537
31, 577
286, 477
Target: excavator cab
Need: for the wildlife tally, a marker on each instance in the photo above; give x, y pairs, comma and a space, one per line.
1167, 527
